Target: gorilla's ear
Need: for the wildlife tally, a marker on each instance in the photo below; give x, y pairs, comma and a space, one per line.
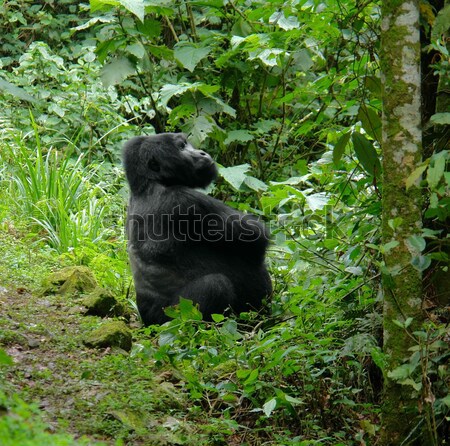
152, 164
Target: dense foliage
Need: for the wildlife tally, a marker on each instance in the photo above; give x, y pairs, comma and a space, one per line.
287, 96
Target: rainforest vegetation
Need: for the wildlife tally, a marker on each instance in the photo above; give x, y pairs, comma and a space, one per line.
329, 120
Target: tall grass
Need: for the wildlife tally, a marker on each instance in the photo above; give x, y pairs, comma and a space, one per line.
55, 192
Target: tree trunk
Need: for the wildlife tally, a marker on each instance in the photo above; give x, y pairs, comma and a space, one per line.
402, 150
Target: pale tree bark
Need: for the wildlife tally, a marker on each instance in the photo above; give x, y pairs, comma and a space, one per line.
402, 148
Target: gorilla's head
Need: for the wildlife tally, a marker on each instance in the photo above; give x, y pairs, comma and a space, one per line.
167, 159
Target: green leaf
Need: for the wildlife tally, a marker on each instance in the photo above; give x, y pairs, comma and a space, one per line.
269, 407
170, 90
240, 28
446, 400
402, 372
4, 358
92, 22
235, 175
436, 169
373, 84
102, 5
287, 23
441, 23
416, 243
440, 119
268, 57
415, 176
137, 50
421, 263
151, 28
230, 329
371, 122
395, 223
366, 154
379, 358
399, 323
389, 246
266, 125
255, 184
199, 128
292, 400
188, 310
217, 317
18, 92
116, 71
355, 270
136, 7
55, 108
410, 382
167, 337
302, 60
242, 373
252, 377
317, 201
408, 322
189, 55
339, 148
207, 90
238, 135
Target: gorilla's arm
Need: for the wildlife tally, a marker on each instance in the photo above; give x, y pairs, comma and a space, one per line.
219, 223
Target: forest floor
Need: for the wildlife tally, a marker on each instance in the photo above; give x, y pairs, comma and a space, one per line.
106, 395
98, 393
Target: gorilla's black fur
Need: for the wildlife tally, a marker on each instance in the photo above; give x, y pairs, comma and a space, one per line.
183, 243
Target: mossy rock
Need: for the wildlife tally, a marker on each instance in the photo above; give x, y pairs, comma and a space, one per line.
70, 280
110, 334
103, 303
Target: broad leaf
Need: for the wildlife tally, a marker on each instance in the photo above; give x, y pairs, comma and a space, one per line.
255, 184
303, 60
317, 201
416, 243
366, 154
402, 372
440, 119
238, 135
199, 128
190, 55
355, 270
415, 176
136, 7
137, 50
235, 175
268, 57
446, 400
269, 407
421, 263
340, 146
16, 91
371, 122
441, 22
116, 71
169, 90
287, 23
436, 169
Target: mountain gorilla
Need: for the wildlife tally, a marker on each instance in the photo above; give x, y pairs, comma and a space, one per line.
183, 243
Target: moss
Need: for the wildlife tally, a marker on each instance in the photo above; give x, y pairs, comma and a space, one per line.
110, 334
70, 280
402, 284
103, 303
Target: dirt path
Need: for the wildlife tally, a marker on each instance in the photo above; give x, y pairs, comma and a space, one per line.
43, 336
102, 394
